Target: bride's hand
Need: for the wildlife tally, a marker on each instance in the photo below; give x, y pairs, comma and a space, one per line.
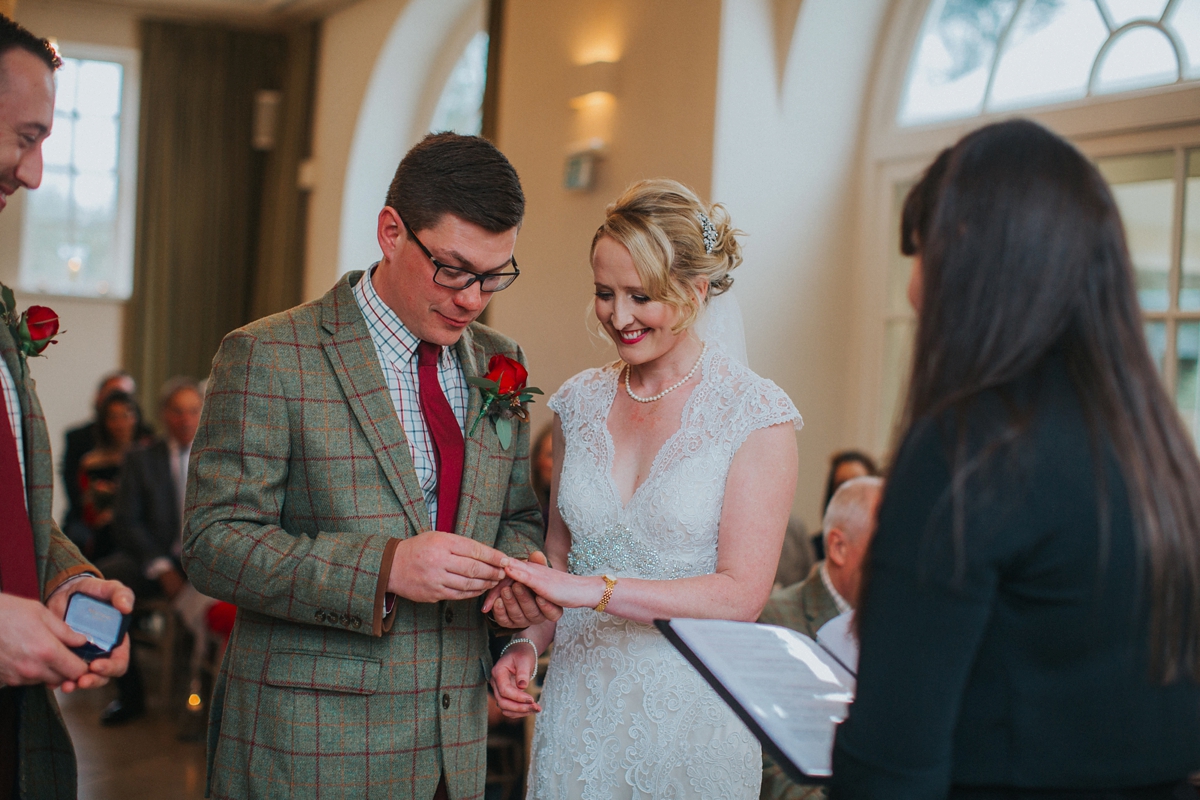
561, 588
515, 606
510, 678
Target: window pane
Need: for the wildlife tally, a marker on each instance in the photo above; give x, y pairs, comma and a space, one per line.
1187, 399
1049, 53
96, 196
1144, 188
96, 143
1123, 11
1156, 338
52, 200
1189, 288
56, 149
950, 70
1185, 21
1139, 57
460, 108
99, 88
70, 240
65, 78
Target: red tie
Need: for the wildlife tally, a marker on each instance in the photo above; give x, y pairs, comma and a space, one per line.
447, 437
18, 564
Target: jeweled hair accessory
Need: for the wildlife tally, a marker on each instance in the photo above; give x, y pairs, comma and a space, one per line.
710, 233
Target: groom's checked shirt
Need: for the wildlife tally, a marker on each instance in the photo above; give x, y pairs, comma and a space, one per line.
396, 347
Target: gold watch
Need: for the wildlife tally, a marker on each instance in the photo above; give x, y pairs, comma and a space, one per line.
609, 583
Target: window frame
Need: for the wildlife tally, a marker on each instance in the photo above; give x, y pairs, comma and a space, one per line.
127, 157
1153, 119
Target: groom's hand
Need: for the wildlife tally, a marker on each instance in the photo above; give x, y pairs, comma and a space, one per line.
433, 566
514, 605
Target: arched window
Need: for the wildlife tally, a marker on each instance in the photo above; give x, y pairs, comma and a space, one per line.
460, 107
980, 56
1119, 78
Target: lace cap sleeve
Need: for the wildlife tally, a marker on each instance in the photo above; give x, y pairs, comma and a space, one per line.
565, 402
762, 404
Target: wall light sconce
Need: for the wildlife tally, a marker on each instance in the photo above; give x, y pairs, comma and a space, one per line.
593, 99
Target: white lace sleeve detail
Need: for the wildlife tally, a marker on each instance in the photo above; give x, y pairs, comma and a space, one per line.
565, 402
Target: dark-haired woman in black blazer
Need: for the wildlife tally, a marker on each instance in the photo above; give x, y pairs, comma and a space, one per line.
1030, 625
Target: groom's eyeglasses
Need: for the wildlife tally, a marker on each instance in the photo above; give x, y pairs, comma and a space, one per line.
458, 278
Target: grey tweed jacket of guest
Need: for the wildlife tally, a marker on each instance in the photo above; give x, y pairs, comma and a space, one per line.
301, 485
46, 769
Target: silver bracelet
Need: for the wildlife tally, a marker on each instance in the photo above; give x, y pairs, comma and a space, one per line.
529, 642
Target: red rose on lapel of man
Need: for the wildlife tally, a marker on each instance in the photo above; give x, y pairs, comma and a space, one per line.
509, 374
42, 323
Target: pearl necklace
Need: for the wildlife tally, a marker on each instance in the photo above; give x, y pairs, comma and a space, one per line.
669, 389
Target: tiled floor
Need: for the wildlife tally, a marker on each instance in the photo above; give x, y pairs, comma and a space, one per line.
141, 760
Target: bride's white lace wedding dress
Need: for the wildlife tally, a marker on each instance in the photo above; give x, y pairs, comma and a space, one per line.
623, 714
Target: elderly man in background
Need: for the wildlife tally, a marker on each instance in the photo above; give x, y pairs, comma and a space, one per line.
832, 588
39, 567
149, 522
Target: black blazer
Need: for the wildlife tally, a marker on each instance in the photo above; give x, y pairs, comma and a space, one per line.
147, 515
1019, 659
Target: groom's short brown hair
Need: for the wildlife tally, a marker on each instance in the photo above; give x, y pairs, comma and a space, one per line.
466, 176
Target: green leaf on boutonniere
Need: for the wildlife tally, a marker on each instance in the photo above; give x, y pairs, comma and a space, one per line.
483, 383
504, 431
10, 300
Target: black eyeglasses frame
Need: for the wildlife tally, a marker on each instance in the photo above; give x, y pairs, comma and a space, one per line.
474, 277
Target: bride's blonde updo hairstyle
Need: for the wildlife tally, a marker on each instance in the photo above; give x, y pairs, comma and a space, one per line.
661, 223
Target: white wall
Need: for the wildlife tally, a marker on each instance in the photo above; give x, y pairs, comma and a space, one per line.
90, 344
785, 164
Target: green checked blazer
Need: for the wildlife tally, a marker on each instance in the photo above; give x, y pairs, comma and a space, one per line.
47, 760
300, 487
803, 607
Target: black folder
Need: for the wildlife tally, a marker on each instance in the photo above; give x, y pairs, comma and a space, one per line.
788, 690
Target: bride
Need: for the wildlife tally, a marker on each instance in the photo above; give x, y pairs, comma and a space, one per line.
674, 474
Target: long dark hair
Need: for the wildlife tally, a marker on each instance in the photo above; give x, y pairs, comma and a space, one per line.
845, 457
118, 398
1025, 253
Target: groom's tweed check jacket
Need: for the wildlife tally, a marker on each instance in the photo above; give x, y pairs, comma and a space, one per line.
300, 487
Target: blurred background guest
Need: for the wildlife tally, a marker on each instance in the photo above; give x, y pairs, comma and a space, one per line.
832, 588
119, 427
844, 465
80, 440
796, 558
149, 520
1030, 625
541, 467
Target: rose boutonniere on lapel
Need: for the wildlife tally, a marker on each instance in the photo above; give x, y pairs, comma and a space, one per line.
33, 330
504, 396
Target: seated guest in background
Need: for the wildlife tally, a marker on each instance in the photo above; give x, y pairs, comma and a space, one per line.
832, 588
149, 521
1030, 619
844, 465
79, 440
541, 467
796, 559
120, 420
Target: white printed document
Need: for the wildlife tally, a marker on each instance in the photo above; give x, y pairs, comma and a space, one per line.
788, 690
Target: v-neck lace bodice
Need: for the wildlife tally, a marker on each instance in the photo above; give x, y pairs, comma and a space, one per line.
676, 509
624, 715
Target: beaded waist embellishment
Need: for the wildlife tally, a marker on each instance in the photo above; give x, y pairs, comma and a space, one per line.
619, 550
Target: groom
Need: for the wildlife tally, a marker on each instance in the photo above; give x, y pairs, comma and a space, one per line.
335, 499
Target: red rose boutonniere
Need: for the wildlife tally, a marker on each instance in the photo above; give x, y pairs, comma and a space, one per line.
33, 330
504, 396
